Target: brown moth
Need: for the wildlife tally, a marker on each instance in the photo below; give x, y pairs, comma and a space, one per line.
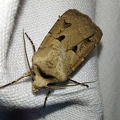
66, 45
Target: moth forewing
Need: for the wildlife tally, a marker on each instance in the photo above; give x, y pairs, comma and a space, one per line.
63, 49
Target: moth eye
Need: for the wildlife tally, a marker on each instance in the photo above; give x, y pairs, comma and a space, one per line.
66, 25
60, 38
75, 48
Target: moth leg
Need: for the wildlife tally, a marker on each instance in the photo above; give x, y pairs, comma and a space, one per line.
33, 46
78, 83
47, 95
25, 75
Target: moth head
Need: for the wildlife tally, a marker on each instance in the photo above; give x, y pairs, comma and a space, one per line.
40, 79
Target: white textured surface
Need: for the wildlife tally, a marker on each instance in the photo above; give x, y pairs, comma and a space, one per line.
109, 57
7, 13
78, 103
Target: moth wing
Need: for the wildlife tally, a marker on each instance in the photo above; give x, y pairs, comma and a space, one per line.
88, 35
77, 34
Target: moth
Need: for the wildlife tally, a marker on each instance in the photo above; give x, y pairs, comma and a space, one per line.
63, 49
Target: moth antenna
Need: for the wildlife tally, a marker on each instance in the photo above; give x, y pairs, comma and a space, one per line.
33, 46
26, 54
25, 75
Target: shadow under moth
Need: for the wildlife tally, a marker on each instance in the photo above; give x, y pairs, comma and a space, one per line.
63, 49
